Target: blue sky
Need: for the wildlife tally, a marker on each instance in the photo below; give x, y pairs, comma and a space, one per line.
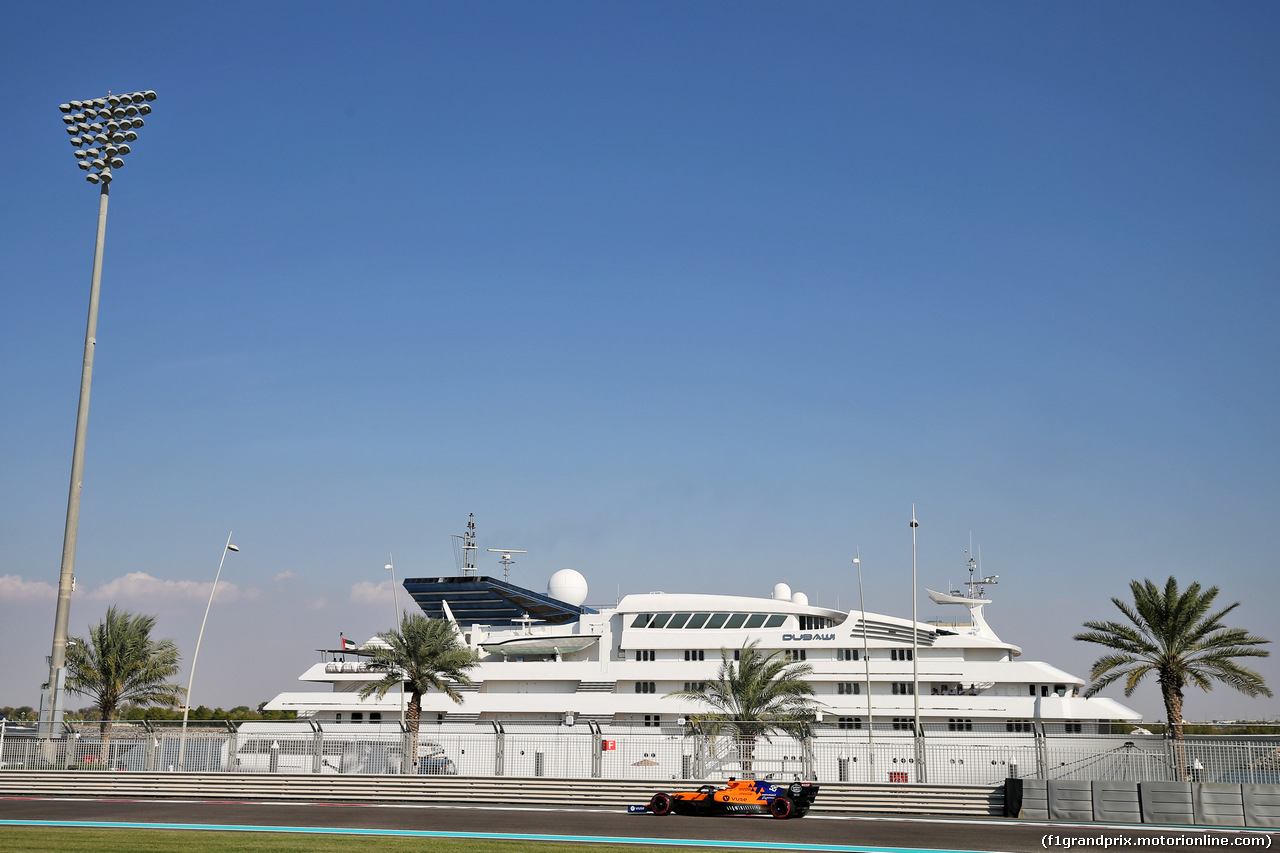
684, 296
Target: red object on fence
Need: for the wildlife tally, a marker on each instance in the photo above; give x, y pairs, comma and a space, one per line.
609, 744
897, 776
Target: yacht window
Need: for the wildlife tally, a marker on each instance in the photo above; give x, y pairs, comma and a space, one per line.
695, 654
339, 719
956, 724
642, 620
660, 621
846, 654
717, 620
646, 687
755, 620
678, 620
903, 724
652, 719
775, 621
1033, 690
375, 717
645, 654
848, 722
699, 686
736, 620
357, 716
697, 620
795, 654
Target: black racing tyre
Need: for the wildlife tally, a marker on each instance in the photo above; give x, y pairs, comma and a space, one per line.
661, 804
801, 811
781, 807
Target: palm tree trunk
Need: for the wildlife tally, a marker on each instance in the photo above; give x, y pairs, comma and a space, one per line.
412, 720
1172, 694
104, 735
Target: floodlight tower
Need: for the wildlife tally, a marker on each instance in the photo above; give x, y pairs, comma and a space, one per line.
101, 130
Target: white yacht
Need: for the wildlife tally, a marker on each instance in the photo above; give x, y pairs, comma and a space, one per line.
548, 657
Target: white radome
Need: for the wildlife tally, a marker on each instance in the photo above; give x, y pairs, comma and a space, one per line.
569, 586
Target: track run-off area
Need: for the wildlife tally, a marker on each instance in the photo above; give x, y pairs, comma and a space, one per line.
573, 824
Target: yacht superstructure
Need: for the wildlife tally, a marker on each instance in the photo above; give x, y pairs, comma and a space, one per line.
548, 657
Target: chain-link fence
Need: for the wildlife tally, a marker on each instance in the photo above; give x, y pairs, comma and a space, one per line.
970, 754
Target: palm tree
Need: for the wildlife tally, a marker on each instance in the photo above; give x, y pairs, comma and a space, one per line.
423, 654
755, 696
1174, 636
120, 663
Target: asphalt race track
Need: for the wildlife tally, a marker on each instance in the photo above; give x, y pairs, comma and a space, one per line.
814, 832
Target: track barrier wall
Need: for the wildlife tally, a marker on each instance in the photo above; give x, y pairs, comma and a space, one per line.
1168, 803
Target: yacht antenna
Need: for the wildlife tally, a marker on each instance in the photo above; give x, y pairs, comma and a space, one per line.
468, 547
506, 560
978, 582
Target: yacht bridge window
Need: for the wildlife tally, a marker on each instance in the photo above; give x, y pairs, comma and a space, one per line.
723, 620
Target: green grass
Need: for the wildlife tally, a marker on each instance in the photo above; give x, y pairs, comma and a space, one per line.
21, 839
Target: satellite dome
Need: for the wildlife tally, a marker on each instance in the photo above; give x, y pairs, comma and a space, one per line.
569, 586
801, 599
781, 592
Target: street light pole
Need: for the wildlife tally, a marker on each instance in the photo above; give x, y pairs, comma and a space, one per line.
922, 773
395, 626
120, 115
191, 677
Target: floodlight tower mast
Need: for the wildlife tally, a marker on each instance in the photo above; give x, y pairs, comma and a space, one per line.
101, 130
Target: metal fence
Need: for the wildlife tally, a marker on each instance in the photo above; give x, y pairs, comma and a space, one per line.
884, 754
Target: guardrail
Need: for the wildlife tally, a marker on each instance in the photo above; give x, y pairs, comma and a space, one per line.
835, 797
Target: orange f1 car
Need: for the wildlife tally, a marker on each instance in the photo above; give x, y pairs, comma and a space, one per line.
738, 797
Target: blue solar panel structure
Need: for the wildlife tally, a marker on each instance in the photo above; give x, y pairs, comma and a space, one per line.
489, 601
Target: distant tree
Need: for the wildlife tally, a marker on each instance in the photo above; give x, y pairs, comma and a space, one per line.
424, 654
754, 697
22, 712
120, 663
1172, 635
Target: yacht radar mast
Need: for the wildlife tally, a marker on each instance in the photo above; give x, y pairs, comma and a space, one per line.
506, 560
466, 552
975, 599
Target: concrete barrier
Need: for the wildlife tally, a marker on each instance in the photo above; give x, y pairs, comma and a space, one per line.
1166, 802
1070, 799
1261, 805
1035, 800
1217, 804
1116, 802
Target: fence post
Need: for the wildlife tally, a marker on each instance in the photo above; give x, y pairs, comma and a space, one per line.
597, 749
233, 748
317, 746
922, 771
806, 744
1042, 750
408, 750
499, 747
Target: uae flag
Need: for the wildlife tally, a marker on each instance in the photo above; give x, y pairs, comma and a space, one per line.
347, 644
